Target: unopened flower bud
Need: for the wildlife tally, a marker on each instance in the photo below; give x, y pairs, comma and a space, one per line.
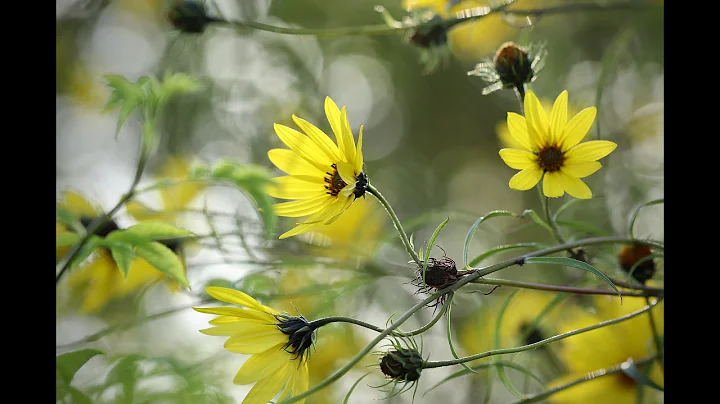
402, 364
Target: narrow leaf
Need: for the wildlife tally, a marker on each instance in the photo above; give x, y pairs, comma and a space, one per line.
164, 259
123, 256
502, 248
449, 333
430, 245
347, 396
571, 262
637, 212
464, 372
535, 218
474, 227
153, 230
67, 364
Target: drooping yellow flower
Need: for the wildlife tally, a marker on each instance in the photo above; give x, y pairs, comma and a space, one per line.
324, 177
473, 40
277, 342
551, 148
606, 347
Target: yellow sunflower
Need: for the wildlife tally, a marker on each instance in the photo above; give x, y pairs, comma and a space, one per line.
277, 342
506, 140
551, 148
324, 177
606, 347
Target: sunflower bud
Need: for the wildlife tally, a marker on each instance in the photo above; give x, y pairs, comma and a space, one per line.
189, 16
402, 364
511, 67
301, 334
634, 255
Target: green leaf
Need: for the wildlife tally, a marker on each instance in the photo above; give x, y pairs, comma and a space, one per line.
163, 259
125, 94
502, 248
123, 256
430, 246
535, 218
637, 212
67, 364
178, 83
93, 243
66, 238
253, 180
571, 262
449, 333
151, 230
347, 396
629, 368
474, 227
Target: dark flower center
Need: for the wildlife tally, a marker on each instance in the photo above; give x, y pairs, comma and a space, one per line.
301, 335
551, 159
334, 181
531, 335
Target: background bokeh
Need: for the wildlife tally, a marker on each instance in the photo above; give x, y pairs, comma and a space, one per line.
430, 144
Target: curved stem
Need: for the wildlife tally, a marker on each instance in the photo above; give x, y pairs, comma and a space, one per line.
586, 378
564, 289
403, 236
656, 338
538, 344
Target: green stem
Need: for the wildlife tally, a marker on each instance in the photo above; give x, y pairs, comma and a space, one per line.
548, 217
586, 378
564, 289
403, 236
656, 338
429, 365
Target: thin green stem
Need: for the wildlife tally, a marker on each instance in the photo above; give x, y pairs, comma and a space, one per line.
546, 341
403, 236
549, 217
520, 92
564, 289
586, 378
656, 338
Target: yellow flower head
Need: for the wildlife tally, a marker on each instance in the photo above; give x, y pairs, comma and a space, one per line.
551, 148
324, 177
277, 342
607, 347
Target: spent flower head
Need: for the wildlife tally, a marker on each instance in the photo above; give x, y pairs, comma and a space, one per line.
402, 365
325, 178
439, 274
512, 67
189, 16
278, 342
637, 261
551, 148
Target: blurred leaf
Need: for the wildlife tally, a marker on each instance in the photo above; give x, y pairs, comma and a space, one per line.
253, 180
123, 256
164, 259
637, 212
178, 83
65, 217
464, 372
152, 230
93, 243
67, 364
496, 345
430, 246
125, 94
474, 227
66, 238
571, 262
584, 227
534, 216
609, 61
629, 368
449, 333
347, 396
502, 248
126, 373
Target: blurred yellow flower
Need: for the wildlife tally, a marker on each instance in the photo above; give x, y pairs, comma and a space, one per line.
551, 148
607, 347
324, 177
477, 334
277, 342
475, 40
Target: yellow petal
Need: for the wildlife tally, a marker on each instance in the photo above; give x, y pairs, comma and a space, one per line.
319, 137
293, 164
344, 205
303, 146
289, 187
606, 389
348, 140
299, 229
260, 366
78, 205
264, 390
518, 159
526, 179
518, 128
242, 314
359, 155
574, 186
537, 121
577, 128
553, 185
582, 169
333, 116
558, 117
346, 171
300, 381
237, 297
303, 207
589, 151
257, 342
232, 325
178, 196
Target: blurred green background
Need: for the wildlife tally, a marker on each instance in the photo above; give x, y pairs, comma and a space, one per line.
430, 142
